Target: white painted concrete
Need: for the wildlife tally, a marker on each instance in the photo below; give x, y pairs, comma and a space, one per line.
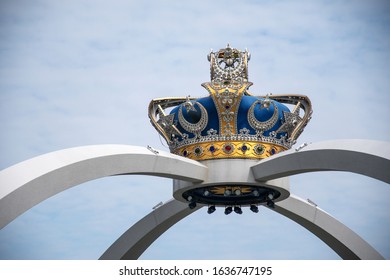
28, 183
366, 157
24, 185
140, 236
222, 172
346, 243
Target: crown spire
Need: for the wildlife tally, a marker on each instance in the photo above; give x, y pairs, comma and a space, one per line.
228, 66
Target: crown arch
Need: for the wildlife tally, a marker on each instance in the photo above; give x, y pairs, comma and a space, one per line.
366, 157
27, 183
341, 239
32, 181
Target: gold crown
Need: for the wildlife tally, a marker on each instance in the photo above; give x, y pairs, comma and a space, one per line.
230, 122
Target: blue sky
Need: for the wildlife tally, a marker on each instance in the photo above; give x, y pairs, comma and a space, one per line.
76, 73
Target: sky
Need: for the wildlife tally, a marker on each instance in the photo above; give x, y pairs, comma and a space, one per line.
78, 72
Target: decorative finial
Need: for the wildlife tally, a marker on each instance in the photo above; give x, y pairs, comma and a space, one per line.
188, 105
228, 66
266, 102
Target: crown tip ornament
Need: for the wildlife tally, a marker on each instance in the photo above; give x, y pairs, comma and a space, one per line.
230, 122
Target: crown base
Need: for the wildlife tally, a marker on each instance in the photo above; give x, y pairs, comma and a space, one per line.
230, 149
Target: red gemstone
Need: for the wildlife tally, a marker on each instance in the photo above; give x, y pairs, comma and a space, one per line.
228, 148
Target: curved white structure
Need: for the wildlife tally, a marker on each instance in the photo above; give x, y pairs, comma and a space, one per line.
365, 157
346, 243
141, 235
30, 182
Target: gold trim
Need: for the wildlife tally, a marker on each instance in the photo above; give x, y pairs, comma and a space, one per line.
229, 149
221, 190
227, 101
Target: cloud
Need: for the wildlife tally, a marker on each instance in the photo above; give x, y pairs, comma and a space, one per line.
83, 72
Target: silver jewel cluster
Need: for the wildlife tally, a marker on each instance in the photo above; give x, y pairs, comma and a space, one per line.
195, 128
228, 64
244, 136
260, 126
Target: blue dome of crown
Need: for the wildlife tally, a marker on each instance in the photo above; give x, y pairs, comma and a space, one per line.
272, 114
230, 122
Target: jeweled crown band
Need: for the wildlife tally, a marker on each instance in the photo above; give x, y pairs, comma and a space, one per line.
229, 149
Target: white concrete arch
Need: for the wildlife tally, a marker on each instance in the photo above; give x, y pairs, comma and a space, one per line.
345, 242
30, 182
366, 157
341, 239
26, 184
133, 242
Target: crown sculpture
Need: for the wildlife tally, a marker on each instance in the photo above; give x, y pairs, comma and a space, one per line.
230, 122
